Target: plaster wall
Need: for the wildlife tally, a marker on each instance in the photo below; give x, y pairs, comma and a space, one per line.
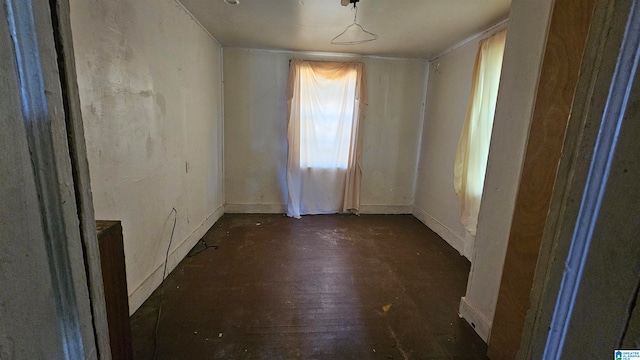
256, 126
526, 38
150, 81
436, 203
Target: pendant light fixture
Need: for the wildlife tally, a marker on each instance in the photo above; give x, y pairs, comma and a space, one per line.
354, 34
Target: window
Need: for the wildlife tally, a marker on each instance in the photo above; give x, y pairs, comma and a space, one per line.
473, 147
326, 117
325, 101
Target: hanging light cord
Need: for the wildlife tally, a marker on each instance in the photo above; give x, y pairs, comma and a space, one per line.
355, 16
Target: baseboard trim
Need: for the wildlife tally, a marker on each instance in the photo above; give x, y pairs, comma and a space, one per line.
385, 209
148, 286
475, 318
449, 236
282, 209
255, 208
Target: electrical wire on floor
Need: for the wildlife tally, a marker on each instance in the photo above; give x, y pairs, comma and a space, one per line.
164, 275
206, 246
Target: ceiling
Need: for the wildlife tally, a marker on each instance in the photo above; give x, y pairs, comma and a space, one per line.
406, 28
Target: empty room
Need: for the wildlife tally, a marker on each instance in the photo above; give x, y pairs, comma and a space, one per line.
319, 179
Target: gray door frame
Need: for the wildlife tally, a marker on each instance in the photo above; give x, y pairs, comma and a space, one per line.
44, 154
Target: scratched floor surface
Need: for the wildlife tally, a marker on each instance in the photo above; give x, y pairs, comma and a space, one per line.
322, 287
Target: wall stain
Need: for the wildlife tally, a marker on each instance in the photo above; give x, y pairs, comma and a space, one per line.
162, 103
146, 93
149, 145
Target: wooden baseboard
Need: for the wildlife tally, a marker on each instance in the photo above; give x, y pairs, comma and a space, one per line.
255, 208
142, 292
475, 318
457, 242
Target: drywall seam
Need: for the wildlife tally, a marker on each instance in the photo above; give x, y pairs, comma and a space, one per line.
470, 313
195, 20
326, 54
444, 232
148, 285
490, 30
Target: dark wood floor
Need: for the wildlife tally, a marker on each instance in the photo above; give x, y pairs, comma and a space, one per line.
322, 287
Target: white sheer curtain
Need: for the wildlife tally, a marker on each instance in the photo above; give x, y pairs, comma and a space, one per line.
325, 109
473, 147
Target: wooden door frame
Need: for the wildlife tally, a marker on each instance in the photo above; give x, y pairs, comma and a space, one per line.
572, 273
61, 18
43, 52
596, 90
559, 74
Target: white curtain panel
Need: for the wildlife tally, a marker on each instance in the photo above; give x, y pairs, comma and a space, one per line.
473, 147
325, 102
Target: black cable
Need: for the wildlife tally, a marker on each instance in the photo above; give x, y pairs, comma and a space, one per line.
164, 274
206, 246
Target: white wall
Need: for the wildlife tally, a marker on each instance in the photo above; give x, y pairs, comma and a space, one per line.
521, 67
256, 125
436, 203
255, 130
150, 82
